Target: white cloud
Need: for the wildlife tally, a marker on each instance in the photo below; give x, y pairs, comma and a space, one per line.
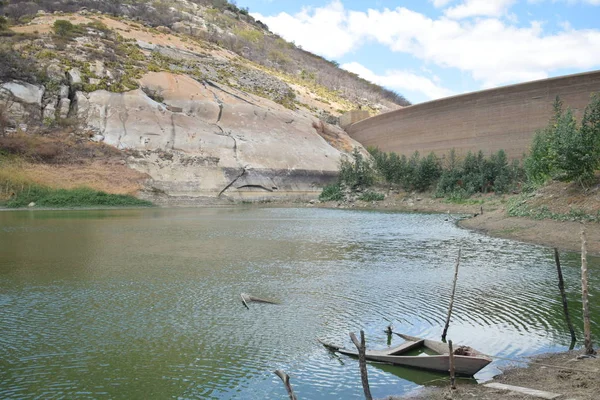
321, 30
440, 3
590, 2
493, 51
474, 8
401, 80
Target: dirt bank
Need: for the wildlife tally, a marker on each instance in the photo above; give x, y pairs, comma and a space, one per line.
560, 373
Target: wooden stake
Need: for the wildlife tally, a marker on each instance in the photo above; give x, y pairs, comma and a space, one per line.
244, 301
361, 347
451, 369
561, 287
285, 378
587, 332
451, 297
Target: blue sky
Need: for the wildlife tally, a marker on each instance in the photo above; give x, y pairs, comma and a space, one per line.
430, 49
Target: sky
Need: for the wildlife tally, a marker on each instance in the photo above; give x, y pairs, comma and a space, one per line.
429, 49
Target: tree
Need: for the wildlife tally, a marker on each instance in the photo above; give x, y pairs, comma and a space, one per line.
565, 151
3, 23
63, 28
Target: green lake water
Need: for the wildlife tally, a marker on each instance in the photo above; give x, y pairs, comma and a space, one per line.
138, 304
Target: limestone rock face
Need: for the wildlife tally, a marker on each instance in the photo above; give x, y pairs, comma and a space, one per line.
204, 139
24, 92
74, 76
23, 102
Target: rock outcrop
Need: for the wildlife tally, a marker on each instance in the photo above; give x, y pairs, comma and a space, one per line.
206, 139
22, 103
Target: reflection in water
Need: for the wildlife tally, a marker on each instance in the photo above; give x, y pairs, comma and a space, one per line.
145, 303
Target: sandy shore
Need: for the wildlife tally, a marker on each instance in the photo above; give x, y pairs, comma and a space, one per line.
560, 373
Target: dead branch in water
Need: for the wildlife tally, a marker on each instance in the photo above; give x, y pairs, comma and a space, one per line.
362, 361
452, 296
247, 298
451, 369
587, 331
285, 378
561, 287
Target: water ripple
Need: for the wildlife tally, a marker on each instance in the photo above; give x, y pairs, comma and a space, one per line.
145, 303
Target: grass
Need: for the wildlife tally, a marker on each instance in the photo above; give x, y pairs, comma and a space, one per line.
518, 207
79, 197
372, 196
23, 182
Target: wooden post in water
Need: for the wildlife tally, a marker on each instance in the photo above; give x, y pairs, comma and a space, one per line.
285, 378
451, 369
361, 347
561, 287
451, 296
587, 333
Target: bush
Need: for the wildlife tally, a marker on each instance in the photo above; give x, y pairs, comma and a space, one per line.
415, 173
331, 193
357, 173
565, 151
65, 29
372, 196
14, 66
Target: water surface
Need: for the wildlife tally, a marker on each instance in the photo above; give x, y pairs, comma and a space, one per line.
145, 303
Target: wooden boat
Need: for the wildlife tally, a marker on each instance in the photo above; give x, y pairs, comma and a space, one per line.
467, 361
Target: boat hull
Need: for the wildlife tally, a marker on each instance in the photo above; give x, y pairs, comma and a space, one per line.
463, 365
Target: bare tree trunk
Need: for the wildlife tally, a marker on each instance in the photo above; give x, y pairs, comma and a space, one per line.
361, 347
285, 378
451, 370
561, 287
452, 296
587, 334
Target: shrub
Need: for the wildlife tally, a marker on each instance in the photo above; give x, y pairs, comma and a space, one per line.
372, 196
357, 173
331, 192
14, 66
65, 29
564, 151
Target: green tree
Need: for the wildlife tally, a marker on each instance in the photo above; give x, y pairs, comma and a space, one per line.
63, 28
3, 23
356, 173
427, 172
565, 151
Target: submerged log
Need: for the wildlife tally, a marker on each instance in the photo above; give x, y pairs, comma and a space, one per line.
247, 298
285, 378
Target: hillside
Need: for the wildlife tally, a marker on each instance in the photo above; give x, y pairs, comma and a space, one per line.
202, 100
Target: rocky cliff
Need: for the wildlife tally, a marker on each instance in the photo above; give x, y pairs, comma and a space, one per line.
195, 118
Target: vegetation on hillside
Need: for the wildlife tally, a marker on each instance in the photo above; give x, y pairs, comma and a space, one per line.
220, 23
452, 178
56, 148
43, 196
